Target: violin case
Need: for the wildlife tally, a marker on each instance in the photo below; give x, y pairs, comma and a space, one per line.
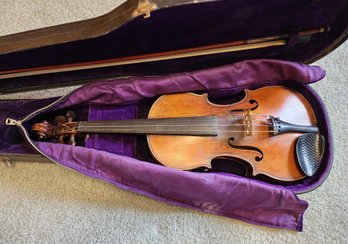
140, 27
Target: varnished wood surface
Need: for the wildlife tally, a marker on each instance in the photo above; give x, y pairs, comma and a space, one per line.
189, 152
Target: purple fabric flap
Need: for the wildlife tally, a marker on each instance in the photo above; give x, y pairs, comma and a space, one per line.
236, 197
236, 76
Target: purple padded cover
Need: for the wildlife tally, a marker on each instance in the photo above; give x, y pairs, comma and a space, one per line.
223, 194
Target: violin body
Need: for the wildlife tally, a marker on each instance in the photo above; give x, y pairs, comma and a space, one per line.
267, 154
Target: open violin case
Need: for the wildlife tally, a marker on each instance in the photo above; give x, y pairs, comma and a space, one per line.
127, 91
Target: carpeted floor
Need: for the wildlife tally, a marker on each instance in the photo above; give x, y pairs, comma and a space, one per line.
45, 203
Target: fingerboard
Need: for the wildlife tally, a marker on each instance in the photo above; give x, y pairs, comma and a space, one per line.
196, 126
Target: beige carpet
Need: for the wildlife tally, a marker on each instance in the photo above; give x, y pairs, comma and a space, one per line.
46, 203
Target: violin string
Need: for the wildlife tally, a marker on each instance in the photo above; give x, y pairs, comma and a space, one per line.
252, 115
228, 120
252, 131
181, 125
227, 123
265, 121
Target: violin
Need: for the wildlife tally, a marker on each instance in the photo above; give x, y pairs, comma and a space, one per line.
186, 131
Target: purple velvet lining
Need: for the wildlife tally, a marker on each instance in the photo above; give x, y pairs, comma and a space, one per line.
189, 26
228, 195
120, 144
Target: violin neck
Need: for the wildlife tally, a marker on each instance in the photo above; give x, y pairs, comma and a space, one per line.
197, 126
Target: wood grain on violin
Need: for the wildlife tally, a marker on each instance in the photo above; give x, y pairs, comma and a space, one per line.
186, 131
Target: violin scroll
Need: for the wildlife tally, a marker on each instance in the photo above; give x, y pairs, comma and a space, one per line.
44, 130
65, 129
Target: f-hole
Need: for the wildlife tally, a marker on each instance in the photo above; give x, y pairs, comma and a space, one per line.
249, 148
252, 102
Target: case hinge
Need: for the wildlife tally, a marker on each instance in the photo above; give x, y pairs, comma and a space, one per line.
144, 8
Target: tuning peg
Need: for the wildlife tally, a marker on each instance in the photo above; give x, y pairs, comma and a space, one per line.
70, 115
72, 140
61, 139
41, 135
60, 119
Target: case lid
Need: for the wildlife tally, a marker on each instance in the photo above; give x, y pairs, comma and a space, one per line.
296, 30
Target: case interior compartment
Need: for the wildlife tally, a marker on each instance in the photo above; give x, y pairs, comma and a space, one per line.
186, 26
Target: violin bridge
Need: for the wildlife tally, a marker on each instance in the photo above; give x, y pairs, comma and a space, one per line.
248, 123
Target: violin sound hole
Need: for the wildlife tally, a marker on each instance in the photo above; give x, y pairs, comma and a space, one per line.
258, 158
254, 102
